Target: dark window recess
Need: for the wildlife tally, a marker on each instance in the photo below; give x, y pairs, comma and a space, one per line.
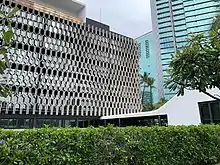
19, 67
58, 54
57, 36
32, 69
210, 112
44, 91
63, 55
61, 93
55, 93
49, 72
26, 68
44, 70
60, 73
38, 91
31, 48
53, 53
26, 90
50, 92
47, 33
33, 90
52, 34
42, 32
54, 72
42, 50
13, 66
37, 30
38, 70
20, 89
13, 88
65, 74
31, 28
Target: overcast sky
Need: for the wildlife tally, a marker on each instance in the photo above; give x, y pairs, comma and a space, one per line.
129, 17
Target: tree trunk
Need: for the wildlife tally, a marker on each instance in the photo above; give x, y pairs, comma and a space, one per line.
143, 95
151, 98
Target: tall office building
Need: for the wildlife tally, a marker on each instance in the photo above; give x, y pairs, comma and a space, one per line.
62, 68
150, 64
174, 20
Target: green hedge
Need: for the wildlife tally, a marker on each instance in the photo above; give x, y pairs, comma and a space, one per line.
99, 146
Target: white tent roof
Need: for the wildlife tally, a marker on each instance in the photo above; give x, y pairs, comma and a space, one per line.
182, 110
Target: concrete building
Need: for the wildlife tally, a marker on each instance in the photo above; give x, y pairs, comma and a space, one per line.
149, 63
65, 70
174, 20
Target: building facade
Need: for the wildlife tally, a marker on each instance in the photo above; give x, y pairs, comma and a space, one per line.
149, 64
64, 69
174, 20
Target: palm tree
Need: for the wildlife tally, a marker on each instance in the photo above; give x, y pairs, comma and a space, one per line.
147, 81
144, 81
160, 103
151, 86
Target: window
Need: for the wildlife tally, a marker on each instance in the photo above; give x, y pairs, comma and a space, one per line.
147, 49
139, 49
210, 112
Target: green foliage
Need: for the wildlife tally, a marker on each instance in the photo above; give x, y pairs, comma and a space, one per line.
160, 103
122, 146
197, 66
148, 107
7, 38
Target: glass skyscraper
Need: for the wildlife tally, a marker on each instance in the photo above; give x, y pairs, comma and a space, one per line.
174, 20
150, 64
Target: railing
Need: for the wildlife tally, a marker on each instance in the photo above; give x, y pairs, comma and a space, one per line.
48, 10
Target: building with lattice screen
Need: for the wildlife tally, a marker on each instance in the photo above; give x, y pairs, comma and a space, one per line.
62, 68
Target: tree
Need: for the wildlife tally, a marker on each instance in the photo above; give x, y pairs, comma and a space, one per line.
151, 86
144, 80
197, 66
147, 81
160, 103
6, 41
216, 23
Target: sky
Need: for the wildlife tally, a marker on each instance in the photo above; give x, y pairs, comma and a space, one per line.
128, 17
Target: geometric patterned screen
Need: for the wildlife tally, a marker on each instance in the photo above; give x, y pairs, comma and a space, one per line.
62, 67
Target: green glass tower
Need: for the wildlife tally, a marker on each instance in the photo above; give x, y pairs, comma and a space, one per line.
174, 20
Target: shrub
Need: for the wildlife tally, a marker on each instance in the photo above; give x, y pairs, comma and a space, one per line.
122, 146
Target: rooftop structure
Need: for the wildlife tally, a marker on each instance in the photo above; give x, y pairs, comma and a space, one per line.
70, 9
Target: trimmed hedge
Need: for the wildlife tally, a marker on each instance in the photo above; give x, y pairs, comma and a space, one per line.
122, 146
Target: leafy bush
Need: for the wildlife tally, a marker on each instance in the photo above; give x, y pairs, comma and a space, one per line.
124, 146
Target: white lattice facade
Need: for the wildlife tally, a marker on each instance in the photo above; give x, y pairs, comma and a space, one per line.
61, 66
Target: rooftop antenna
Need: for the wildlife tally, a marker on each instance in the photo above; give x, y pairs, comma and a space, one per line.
100, 14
